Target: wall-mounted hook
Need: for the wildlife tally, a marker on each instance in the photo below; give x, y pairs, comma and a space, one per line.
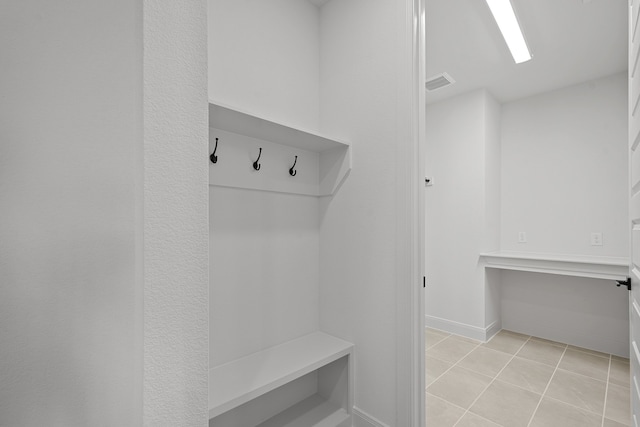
256, 165
626, 283
291, 171
213, 157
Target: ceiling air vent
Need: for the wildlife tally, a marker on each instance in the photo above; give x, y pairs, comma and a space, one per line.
439, 81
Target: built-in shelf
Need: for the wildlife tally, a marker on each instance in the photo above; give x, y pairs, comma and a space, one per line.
596, 267
237, 382
243, 123
314, 411
322, 162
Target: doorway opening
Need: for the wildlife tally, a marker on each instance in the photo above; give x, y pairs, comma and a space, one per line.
526, 205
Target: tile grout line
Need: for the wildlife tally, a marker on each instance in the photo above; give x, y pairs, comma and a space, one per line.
433, 345
547, 397
450, 367
591, 353
526, 389
572, 405
491, 382
543, 395
547, 387
582, 375
606, 392
463, 410
540, 363
425, 353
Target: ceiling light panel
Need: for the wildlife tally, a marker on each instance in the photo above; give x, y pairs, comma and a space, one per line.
505, 17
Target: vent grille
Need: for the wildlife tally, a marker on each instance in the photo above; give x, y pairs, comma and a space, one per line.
439, 81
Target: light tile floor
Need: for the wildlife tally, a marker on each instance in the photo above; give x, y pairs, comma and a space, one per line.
518, 380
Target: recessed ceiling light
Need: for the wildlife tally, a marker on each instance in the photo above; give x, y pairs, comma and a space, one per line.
505, 17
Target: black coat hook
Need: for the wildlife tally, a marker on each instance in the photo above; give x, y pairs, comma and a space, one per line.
213, 157
256, 165
291, 171
626, 283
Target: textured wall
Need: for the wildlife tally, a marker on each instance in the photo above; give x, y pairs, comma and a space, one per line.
70, 193
175, 213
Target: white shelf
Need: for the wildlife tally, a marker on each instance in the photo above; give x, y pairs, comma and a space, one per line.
244, 379
596, 267
244, 123
311, 412
323, 162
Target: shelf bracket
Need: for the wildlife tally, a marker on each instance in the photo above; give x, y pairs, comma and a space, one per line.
626, 283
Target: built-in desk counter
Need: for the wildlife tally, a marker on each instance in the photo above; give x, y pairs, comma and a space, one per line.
597, 267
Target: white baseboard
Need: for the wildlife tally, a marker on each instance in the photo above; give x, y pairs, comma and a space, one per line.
362, 419
462, 329
492, 329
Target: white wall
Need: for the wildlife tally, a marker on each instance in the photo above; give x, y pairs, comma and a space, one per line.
589, 313
264, 58
492, 205
361, 101
564, 175
462, 211
70, 213
357, 46
75, 176
264, 270
176, 232
564, 169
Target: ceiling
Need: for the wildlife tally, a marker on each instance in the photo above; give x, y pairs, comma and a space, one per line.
572, 41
